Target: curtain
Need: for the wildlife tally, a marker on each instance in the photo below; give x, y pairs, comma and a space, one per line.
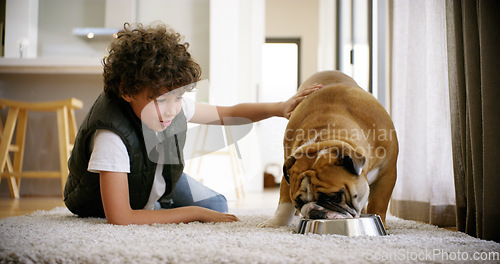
474, 82
420, 110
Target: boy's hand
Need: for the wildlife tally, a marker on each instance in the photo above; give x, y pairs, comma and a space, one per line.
291, 103
214, 216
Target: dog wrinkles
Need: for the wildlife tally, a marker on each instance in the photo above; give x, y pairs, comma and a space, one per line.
331, 131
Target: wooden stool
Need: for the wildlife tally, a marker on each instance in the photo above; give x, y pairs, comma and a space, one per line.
18, 113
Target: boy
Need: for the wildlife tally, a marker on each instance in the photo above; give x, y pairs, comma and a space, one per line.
127, 159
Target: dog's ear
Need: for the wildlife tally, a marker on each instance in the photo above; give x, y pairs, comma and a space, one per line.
286, 166
354, 164
352, 160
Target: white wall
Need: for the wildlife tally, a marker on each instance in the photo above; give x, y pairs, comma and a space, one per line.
326, 35
57, 18
296, 18
21, 34
188, 17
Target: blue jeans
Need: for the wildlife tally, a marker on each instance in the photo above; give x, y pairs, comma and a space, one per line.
189, 192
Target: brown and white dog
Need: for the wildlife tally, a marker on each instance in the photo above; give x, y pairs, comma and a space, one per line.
340, 154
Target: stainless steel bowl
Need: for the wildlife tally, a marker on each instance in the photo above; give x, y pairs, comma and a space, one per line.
366, 225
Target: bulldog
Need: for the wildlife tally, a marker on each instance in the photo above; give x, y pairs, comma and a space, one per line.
340, 150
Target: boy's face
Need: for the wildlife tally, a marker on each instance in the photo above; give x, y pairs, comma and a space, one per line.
158, 113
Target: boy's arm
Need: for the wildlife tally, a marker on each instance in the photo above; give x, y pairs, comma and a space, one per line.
115, 200
248, 112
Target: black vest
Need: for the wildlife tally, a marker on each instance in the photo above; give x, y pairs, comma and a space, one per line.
82, 193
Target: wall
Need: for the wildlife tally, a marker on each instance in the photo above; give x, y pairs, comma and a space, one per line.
21, 34
57, 18
188, 17
296, 18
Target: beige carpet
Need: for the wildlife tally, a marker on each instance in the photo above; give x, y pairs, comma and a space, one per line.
57, 236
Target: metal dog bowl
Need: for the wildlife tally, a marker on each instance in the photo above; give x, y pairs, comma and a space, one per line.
366, 225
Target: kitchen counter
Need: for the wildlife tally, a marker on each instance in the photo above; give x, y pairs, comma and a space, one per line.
51, 66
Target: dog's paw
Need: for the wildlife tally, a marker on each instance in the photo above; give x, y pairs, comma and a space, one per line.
268, 224
272, 222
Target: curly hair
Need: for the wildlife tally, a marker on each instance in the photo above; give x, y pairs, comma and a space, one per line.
152, 57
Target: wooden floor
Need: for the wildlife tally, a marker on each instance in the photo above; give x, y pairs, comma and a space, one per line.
26, 205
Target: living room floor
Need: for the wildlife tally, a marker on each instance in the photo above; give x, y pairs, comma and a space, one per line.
25, 205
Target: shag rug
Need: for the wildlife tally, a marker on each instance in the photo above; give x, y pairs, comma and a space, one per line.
57, 236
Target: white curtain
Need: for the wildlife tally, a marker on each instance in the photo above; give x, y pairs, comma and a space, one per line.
420, 109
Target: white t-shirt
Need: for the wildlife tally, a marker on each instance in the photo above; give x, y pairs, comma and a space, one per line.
109, 153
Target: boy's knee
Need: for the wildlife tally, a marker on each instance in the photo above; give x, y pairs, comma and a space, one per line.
222, 203
217, 203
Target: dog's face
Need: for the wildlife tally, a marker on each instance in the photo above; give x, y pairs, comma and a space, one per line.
327, 184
